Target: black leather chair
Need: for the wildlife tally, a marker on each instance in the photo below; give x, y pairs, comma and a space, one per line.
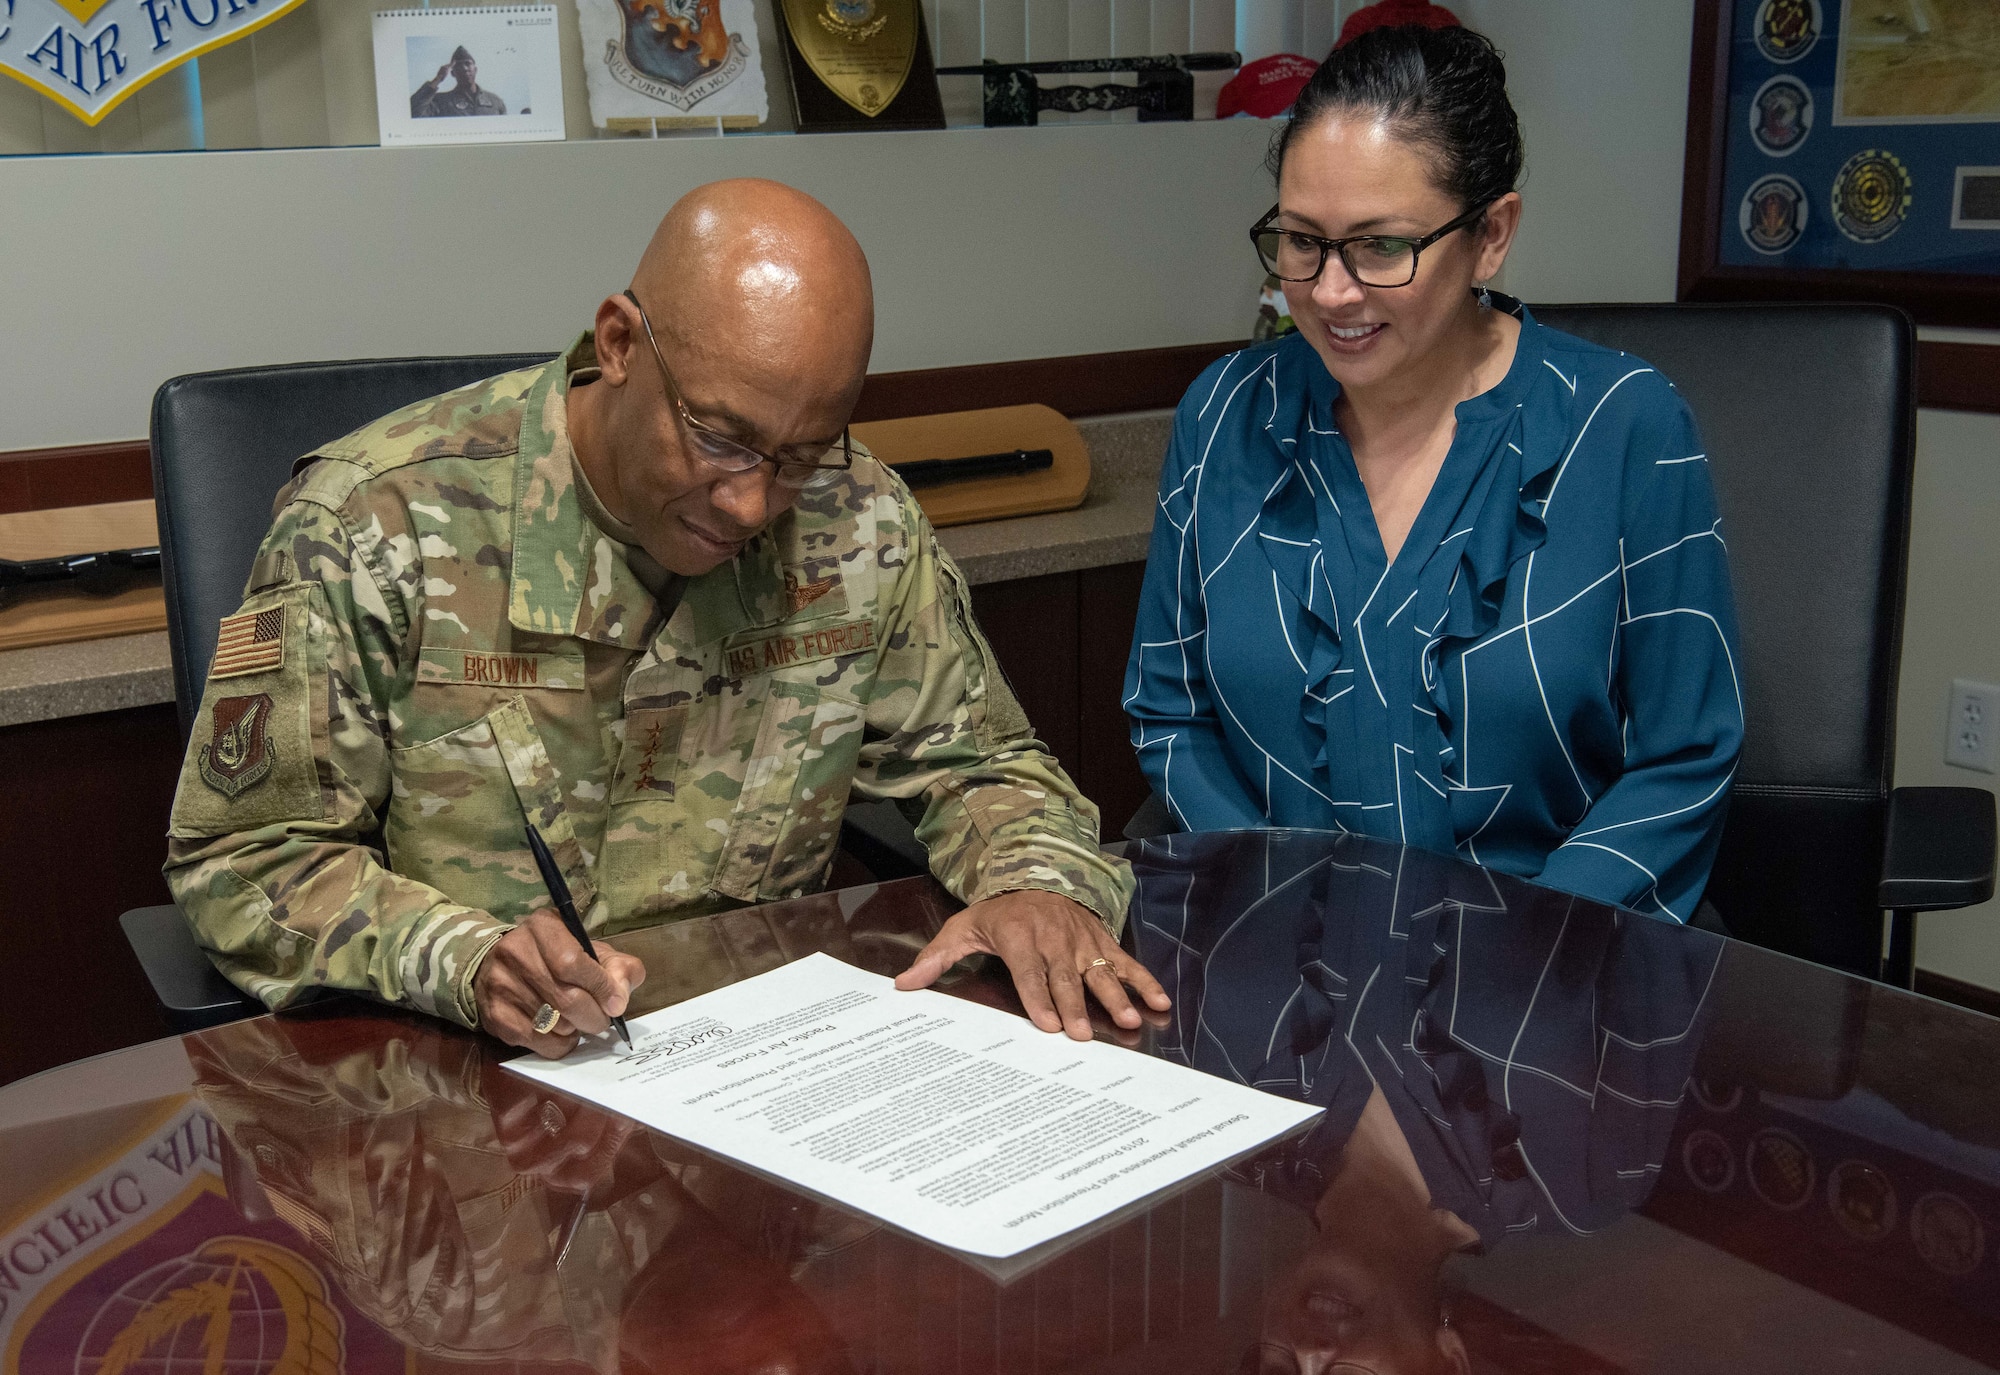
223, 444
1808, 414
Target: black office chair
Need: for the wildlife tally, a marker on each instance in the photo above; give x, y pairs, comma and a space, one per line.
1808, 415
223, 444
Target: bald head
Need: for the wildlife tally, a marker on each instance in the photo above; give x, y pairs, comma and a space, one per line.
763, 316
762, 279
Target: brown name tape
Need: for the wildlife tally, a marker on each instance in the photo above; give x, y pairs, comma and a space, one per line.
785, 648
486, 668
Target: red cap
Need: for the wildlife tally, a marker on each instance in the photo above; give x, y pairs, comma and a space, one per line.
1386, 14
1266, 87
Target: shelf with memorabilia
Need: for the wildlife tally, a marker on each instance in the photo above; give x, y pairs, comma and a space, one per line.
127, 76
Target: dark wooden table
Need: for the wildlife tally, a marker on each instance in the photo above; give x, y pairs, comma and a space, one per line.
1558, 1138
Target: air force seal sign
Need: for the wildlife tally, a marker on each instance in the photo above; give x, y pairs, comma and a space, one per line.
88, 56
678, 51
1772, 214
1871, 196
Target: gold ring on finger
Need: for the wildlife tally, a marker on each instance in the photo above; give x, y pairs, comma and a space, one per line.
1099, 962
552, 1119
546, 1018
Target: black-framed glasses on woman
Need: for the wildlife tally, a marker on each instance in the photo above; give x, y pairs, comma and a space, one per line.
806, 465
1370, 259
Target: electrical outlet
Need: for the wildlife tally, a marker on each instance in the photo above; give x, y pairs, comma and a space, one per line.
1972, 726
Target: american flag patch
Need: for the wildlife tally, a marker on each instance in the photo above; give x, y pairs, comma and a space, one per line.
251, 643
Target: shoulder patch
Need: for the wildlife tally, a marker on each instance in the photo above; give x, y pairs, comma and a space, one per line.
239, 753
250, 760
251, 642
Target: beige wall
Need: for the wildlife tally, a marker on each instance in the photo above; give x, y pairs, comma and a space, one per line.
1601, 88
1952, 630
121, 271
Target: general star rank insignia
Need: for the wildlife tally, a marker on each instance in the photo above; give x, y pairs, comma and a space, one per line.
238, 755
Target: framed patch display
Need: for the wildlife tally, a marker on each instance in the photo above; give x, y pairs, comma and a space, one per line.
1846, 149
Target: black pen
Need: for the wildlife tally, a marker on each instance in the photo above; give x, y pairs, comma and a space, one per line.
559, 892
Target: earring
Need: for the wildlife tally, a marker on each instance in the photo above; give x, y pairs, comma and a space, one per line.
1485, 297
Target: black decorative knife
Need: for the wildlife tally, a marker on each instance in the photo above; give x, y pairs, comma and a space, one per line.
932, 472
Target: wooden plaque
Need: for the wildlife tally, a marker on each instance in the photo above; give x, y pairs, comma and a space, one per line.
859, 64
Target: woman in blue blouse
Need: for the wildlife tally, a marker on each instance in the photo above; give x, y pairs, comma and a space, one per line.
1426, 569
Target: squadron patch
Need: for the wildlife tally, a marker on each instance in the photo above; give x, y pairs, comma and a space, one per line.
1785, 30
1780, 1168
1709, 1159
1947, 1234
1781, 115
1862, 1200
250, 642
1871, 196
772, 651
239, 754
1773, 213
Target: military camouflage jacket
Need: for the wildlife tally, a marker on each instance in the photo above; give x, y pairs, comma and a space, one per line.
436, 644
454, 102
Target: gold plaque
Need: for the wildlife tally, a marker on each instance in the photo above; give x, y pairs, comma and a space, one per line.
860, 49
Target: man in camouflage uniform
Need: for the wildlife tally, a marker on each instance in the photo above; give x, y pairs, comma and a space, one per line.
464, 98
647, 597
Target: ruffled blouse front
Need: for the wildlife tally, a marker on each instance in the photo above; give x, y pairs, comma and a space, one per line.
1548, 662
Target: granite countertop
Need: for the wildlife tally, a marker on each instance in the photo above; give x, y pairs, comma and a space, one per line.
1111, 527
53, 681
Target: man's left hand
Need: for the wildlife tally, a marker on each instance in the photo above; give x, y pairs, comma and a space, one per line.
1055, 949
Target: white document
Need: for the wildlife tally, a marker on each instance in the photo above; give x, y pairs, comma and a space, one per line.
960, 1123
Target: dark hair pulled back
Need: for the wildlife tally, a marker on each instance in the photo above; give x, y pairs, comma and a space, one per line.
1442, 89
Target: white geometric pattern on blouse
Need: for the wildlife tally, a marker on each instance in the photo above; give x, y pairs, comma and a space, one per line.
1562, 621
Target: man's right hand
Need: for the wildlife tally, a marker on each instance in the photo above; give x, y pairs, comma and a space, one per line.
540, 962
443, 72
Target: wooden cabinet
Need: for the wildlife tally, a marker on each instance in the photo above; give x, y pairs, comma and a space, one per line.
1063, 640
84, 816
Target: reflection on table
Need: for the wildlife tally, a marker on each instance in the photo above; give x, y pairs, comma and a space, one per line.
1557, 1137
